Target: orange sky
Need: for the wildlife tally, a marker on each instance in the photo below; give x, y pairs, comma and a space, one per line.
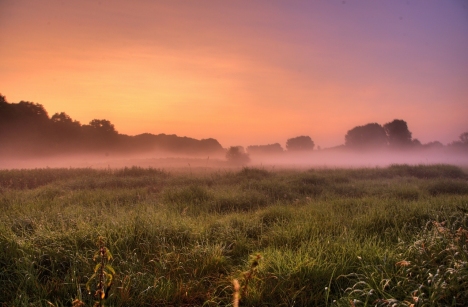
243, 72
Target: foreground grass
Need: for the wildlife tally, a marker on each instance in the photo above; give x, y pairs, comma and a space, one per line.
330, 237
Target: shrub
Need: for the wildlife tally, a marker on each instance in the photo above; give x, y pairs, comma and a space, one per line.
236, 155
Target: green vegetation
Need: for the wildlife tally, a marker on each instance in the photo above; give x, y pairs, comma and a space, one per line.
320, 237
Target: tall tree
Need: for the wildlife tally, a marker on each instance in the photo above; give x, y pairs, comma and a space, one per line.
102, 126
299, 143
64, 128
100, 134
369, 136
398, 133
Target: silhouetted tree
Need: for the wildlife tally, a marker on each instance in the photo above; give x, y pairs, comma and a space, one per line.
100, 134
65, 131
66, 125
300, 143
174, 143
398, 133
32, 110
416, 143
4, 110
102, 126
265, 149
25, 127
61, 118
209, 145
237, 155
370, 136
464, 138
26, 117
462, 144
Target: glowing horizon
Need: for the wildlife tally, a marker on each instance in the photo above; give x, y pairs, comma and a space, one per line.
243, 73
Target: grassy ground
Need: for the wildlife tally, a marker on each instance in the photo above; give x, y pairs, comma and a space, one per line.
327, 237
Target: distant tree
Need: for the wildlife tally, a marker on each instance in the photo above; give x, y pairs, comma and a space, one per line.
103, 126
61, 118
32, 110
4, 110
24, 117
416, 143
366, 137
100, 134
265, 149
237, 155
300, 143
24, 127
209, 146
464, 138
176, 144
398, 133
462, 144
64, 122
64, 128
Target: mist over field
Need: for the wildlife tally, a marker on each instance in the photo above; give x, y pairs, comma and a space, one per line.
30, 138
347, 159
315, 159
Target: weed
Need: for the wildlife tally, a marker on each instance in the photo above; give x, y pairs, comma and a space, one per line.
249, 275
103, 274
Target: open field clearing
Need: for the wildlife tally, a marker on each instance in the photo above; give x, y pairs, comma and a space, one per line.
319, 237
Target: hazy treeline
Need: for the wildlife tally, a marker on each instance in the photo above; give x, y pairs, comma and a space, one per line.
27, 130
394, 135
299, 143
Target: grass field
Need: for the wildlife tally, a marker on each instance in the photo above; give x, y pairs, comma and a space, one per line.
393, 236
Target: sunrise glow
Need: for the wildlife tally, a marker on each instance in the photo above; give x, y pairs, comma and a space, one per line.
242, 72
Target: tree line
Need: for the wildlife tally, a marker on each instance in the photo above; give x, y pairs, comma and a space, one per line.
393, 135
27, 130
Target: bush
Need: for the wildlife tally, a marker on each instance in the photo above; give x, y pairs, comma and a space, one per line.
236, 155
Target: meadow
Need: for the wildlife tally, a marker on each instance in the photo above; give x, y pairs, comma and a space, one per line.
394, 236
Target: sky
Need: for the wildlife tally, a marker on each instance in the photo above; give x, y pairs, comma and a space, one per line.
242, 72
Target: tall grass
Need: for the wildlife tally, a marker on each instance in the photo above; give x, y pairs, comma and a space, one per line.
325, 236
